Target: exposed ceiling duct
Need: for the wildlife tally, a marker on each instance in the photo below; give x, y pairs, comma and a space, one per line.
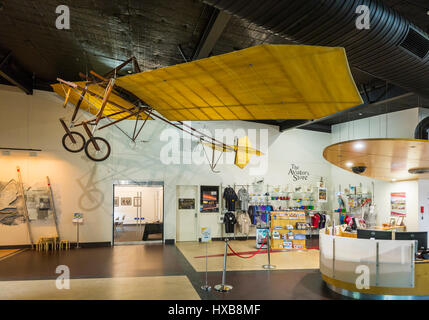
392, 49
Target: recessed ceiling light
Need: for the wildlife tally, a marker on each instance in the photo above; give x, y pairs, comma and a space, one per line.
349, 164
360, 113
358, 146
393, 180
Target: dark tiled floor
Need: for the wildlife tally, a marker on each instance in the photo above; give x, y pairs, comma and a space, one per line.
159, 260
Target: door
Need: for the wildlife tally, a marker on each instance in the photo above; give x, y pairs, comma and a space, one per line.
186, 217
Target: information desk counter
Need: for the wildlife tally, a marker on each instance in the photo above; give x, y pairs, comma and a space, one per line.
372, 269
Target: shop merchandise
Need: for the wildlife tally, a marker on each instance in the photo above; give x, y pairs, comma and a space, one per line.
318, 220
290, 235
287, 244
259, 214
289, 226
299, 237
244, 198
230, 198
243, 221
229, 221
261, 233
276, 235
298, 246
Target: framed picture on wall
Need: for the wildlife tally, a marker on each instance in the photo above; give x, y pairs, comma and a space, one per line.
116, 202
392, 221
322, 195
400, 221
137, 202
186, 204
126, 201
209, 198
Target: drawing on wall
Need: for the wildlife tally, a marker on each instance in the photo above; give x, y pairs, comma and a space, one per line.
137, 202
11, 204
126, 201
38, 203
44, 203
116, 202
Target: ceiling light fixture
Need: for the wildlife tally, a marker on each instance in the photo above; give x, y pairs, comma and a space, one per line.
349, 164
358, 146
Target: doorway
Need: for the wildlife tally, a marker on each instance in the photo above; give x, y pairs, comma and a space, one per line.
187, 215
138, 212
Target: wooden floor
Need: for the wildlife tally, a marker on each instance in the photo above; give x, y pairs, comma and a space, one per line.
153, 271
289, 260
136, 288
7, 252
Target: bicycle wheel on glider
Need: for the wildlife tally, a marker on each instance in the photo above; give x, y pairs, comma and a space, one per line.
93, 153
77, 145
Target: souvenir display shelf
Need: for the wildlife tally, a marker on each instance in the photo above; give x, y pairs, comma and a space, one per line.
283, 219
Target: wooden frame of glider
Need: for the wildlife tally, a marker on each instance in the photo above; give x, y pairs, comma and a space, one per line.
140, 111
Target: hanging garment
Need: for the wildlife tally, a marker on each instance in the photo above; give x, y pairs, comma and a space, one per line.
315, 220
244, 198
243, 221
230, 198
252, 214
229, 220
322, 221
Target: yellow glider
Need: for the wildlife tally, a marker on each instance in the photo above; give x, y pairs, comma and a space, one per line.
265, 82
243, 151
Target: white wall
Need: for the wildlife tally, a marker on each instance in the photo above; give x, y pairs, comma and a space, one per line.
399, 124
81, 185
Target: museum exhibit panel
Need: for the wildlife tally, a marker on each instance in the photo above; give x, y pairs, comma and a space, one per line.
214, 149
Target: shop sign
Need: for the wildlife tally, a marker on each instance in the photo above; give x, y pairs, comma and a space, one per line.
298, 174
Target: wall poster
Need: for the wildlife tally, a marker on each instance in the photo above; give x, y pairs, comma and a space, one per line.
209, 198
322, 195
398, 204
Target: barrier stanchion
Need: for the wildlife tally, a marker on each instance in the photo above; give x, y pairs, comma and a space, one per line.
206, 287
224, 287
269, 266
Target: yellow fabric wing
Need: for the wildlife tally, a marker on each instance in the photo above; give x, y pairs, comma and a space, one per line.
258, 83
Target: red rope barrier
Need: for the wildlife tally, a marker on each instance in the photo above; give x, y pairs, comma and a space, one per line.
265, 239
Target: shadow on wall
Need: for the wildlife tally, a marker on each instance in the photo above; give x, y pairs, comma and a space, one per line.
92, 198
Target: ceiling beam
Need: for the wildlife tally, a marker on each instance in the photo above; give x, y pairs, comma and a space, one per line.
213, 31
15, 75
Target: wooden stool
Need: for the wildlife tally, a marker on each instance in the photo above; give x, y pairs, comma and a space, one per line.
64, 244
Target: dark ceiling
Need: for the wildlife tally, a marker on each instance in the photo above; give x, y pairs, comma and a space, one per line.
158, 33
